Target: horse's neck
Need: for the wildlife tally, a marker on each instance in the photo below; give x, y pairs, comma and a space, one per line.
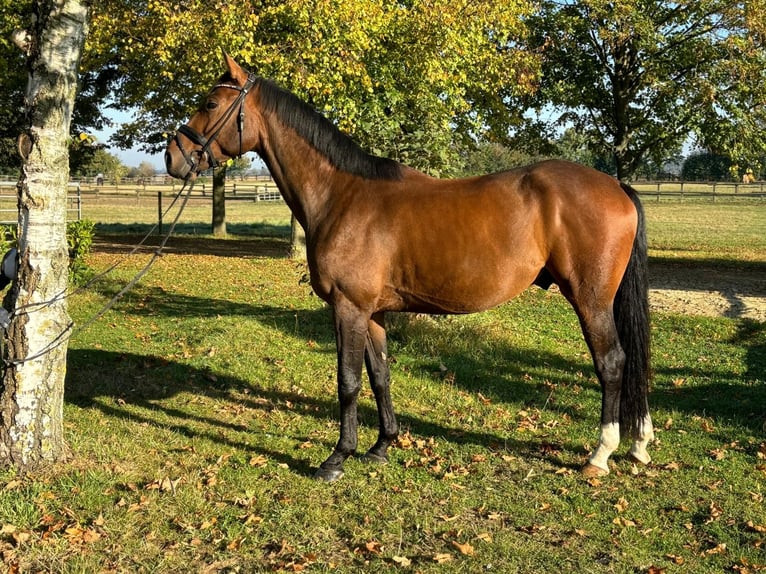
300, 173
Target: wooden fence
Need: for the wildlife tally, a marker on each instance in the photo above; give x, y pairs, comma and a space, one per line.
264, 189
712, 190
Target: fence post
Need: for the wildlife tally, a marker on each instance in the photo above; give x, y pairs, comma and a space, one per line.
159, 212
79, 201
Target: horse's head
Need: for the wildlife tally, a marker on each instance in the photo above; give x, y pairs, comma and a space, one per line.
218, 130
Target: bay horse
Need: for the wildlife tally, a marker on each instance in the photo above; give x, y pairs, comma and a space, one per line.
383, 237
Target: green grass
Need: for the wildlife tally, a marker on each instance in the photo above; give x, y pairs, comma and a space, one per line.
198, 408
724, 231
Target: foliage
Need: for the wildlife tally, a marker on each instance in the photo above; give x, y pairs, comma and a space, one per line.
101, 161
144, 171
704, 166
88, 111
494, 157
408, 80
79, 242
638, 77
13, 81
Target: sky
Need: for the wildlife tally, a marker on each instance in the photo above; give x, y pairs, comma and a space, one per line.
130, 157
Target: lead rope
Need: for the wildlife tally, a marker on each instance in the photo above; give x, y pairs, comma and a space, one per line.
70, 329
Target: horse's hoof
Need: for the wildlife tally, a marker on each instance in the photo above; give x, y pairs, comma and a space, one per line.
372, 458
592, 471
639, 458
328, 474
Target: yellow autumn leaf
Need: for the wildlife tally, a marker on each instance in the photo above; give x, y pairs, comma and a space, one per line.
465, 549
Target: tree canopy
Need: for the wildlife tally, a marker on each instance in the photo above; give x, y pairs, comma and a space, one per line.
410, 80
637, 77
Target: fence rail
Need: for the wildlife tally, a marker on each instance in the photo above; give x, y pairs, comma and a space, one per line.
264, 189
713, 190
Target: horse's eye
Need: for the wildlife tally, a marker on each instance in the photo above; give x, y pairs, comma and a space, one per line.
211, 105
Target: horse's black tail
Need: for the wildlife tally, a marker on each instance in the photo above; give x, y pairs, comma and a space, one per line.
631, 314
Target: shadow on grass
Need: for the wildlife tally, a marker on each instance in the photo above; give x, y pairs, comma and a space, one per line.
148, 382
260, 229
233, 246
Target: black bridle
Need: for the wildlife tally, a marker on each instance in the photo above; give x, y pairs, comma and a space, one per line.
206, 142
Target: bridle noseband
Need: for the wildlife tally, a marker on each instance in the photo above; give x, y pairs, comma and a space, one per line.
206, 142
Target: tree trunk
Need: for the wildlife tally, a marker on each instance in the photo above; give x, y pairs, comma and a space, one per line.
297, 240
219, 200
35, 343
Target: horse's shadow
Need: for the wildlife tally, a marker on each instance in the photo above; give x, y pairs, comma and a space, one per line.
95, 375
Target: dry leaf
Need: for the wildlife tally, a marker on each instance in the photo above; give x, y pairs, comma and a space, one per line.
259, 460
718, 453
621, 505
719, 549
441, 558
465, 549
755, 527
402, 561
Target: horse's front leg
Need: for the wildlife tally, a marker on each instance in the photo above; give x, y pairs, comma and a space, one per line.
350, 334
376, 358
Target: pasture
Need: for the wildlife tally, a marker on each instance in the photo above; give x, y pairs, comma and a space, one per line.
198, 408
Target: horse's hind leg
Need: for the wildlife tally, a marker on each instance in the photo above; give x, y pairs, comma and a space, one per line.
609, 359
376, 358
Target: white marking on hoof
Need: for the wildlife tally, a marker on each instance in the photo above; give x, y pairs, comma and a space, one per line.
607, 443
643, 436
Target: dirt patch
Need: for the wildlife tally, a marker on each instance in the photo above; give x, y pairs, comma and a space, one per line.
707, 288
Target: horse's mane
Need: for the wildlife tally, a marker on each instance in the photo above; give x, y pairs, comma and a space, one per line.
339, 149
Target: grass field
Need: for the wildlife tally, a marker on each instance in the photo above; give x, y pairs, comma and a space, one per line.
198, 408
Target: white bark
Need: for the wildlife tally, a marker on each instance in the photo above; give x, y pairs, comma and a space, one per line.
32, 388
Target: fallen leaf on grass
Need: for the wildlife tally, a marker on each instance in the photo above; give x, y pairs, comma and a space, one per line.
718, 453
165, 484
79, 535
442, 557
755, 527
465, 549
621, 505
624, 522
675, 559
719, 549
258, 460
402, 561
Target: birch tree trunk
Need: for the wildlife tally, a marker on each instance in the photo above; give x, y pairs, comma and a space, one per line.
34, 351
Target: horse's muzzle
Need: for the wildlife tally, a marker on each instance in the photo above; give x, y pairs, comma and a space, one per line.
176, 162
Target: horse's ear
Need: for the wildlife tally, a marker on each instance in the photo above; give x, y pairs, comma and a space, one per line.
235, 70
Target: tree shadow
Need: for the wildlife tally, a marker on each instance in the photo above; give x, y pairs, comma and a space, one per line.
733, 280
259, 245
146, 381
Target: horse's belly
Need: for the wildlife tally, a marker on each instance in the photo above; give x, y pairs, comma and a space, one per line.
465, 293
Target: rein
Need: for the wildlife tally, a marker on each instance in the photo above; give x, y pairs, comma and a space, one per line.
70, 329
206, 142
